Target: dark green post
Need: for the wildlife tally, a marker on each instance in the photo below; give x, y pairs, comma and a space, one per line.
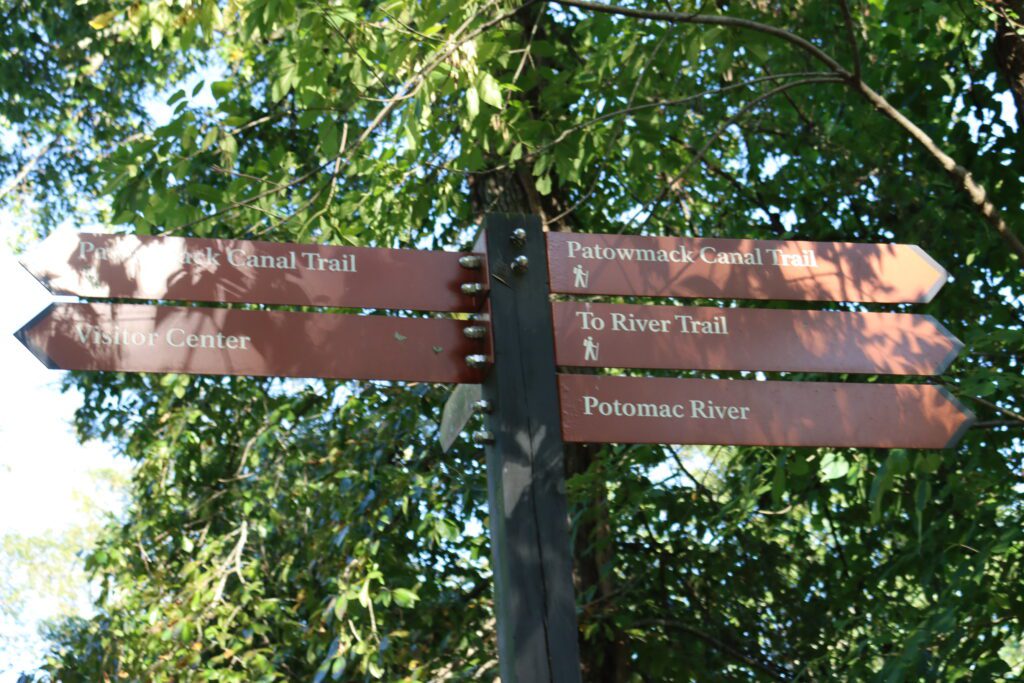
535, 603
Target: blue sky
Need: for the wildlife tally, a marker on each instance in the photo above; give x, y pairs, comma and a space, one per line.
46, 480
45, 476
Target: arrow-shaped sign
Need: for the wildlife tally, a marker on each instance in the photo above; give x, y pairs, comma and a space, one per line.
697, 338
220, 341
741, 269
194, 269
749, 413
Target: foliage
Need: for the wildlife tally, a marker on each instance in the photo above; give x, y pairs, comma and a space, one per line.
40, 573
295, 531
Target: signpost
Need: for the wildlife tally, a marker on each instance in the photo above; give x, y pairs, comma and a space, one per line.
529, 516
741, 269
509, 370
744, 412
194, 269
772, 340
222, 341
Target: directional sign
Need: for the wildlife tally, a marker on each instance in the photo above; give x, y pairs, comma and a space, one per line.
741, 269
693, 338
192, 269
219, 341
749, 413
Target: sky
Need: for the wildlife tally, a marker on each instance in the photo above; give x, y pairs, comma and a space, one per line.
44, 472
47, 482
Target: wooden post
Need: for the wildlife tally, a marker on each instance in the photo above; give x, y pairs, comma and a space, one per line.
534, 600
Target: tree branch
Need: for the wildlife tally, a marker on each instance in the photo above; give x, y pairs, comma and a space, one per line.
852, 37
767, 669
975, 192
710, 20
649, 207
25, 170
961, 176
992, 424
404, 92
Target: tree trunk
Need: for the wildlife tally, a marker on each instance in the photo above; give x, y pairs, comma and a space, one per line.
1008, 48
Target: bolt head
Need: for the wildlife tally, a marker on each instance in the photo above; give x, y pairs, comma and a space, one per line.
471, 261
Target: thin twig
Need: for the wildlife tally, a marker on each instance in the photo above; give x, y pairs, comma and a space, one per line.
26, 169
851, 35
648, 208
991, 424
712, 20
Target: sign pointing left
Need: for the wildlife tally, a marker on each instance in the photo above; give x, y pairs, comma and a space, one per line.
221, 341
195, 269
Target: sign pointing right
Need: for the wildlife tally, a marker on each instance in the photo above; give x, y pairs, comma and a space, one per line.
748, 413
741, 269
773, 340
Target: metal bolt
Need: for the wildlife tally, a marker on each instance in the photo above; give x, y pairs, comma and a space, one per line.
519, 263
482, 406
475, 332
483, 437
472, 288
518, 237
471, 261
477, 360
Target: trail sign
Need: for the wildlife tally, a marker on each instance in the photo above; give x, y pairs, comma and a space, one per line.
194, 269
537, 631
741, 269
221, 341
749, 413
698, 338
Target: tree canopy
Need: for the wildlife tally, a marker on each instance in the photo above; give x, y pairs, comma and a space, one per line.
286, 530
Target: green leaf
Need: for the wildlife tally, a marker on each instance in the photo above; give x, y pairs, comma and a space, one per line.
101, 21
472, 102
329, 139
922, 494
490, 91
340, 606
156, 35
405, 597
779, 480
364, 594
544, 185
833, 466
338, 668
222, 89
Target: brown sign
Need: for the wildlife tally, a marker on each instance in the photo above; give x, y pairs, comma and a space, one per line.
749, 413
193, 269
219, 341
741, 269
692, 338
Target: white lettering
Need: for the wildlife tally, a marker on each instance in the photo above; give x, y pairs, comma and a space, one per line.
590, 321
